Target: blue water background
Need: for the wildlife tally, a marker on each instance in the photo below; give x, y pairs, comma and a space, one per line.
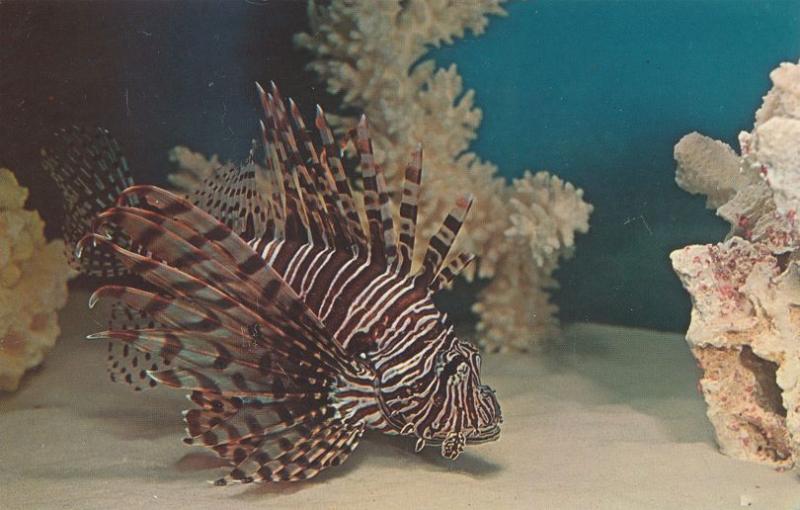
599, 93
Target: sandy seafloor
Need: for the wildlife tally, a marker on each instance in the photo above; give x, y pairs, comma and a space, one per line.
610, 420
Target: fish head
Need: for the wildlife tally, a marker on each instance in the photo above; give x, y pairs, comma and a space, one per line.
452, 408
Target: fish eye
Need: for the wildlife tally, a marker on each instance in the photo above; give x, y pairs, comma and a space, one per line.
440, 363
460, 373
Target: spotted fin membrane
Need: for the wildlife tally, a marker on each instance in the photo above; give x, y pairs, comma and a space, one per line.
90, 171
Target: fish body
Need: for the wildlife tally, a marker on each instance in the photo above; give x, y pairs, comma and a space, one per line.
295, 322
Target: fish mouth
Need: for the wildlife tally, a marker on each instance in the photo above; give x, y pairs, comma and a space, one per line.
472, 436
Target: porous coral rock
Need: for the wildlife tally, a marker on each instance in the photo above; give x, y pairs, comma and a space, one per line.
708, 167
746, 290
33, 285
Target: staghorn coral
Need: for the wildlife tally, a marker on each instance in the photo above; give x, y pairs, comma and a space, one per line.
33, 285
745, 290
370, 54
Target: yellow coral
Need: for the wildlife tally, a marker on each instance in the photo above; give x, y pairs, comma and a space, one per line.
33, 285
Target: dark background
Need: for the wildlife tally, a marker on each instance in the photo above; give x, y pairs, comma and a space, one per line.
603, 90
156, 74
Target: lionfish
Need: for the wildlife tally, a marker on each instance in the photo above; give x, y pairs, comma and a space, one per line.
292, 316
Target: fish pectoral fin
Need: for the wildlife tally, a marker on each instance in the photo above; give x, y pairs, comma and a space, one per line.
297, 454
453, 445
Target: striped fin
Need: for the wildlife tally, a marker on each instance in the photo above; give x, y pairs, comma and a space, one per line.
299, 225
300, 157
246, 264
213, 409
296, 225
321, 228
342, 238
294, 336
177, 251
276, 198
387, 222
247, 273
313, 187
176, 227
129, 366
233, 384
202, 295
302, 133
267, 435
172, 207
347, 446
408, 210
333, 158
169, 311
306, 192
445, 277
206, 325
440, 244
322, 190
90, 171
376, 198
207, 227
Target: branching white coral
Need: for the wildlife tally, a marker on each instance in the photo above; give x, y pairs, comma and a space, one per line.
33, 285
370, 52
545, 214
745, 291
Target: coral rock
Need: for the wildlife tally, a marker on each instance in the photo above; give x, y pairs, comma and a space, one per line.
33, 285
746, 290
708, 167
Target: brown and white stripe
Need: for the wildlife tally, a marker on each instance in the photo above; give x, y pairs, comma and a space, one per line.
294, 328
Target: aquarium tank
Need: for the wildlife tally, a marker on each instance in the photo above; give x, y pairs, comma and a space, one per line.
400, 254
